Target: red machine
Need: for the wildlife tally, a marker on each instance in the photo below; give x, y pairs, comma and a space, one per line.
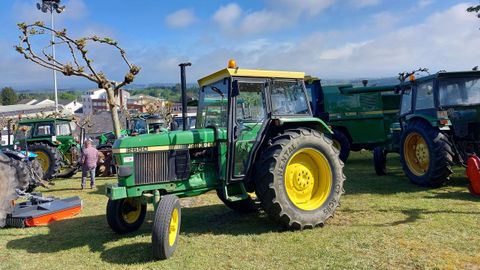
41, 211
473, 174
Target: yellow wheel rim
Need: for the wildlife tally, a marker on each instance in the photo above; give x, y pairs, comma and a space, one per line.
173, 229
131, 210
337, 145
416, 154
308, 179
43, 159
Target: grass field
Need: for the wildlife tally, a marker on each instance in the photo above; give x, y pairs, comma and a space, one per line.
383, 223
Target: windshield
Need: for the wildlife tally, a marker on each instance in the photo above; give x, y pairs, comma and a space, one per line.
459, 91
212, 106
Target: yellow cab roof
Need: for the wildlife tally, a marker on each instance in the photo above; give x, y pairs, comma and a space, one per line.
256, 73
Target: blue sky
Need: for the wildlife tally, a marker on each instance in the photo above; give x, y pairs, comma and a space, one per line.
331, 39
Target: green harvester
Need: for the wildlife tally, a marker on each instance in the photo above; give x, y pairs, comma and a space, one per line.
361, 117
256, 143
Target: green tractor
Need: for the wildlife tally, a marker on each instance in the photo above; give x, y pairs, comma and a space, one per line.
52, 140
350, 111
440, 121
256, 143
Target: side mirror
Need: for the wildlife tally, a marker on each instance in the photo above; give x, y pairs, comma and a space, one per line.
235, 89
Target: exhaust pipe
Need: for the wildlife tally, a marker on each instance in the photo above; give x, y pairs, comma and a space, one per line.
183, 81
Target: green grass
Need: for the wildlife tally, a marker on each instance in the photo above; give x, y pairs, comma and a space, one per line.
383, 223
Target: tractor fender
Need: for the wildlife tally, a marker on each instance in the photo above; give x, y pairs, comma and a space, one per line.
473, 174
310, 122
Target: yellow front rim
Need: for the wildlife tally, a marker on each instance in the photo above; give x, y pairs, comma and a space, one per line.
308, 179
416, 154
337, 145
131, 210
172, 232
43, 159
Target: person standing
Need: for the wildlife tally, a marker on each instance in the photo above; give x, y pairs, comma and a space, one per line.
89, 163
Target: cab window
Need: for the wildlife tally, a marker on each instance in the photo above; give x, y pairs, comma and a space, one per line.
424, 98
45, 129
288, 98
406, 101
212, 105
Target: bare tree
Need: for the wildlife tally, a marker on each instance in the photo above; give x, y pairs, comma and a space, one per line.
80, 64
474, 9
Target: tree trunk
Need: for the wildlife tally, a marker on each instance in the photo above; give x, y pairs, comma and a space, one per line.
112, 105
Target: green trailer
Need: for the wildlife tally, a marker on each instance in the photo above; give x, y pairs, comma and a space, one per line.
256, 143
361, 117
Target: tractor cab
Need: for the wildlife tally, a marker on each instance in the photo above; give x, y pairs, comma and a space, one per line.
255, 142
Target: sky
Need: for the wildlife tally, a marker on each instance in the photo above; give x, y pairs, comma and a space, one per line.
330, 39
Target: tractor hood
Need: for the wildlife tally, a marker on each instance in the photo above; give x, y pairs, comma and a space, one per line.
170, 140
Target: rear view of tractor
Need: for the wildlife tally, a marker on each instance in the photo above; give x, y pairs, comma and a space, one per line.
256, 143
440, 119
352, 111
52, 140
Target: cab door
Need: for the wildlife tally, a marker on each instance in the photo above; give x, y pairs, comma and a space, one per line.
247, 122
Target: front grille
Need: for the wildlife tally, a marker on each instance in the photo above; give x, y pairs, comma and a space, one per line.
152, 167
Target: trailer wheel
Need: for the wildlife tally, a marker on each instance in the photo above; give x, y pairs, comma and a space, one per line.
341, 142
246, 206
380, 160
49, 158
166, 227
300, 179
125, 215
426, 155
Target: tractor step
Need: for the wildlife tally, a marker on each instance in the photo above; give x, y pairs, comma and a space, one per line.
41, 211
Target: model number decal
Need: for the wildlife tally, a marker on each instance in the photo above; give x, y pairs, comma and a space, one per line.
127, 159
137, 149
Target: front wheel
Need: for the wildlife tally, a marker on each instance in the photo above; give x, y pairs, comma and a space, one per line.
300, 179
166, 227
125, 215
426, 154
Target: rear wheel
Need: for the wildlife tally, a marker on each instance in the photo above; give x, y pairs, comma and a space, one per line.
246, 206
380, 160
166, 227
126, 215
341, 142
300, 179
426, 155
49, 158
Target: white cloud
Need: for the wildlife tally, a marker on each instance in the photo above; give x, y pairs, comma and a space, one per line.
445, 40
227, 15
364, 3
424, 3
181, 18
277, 15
